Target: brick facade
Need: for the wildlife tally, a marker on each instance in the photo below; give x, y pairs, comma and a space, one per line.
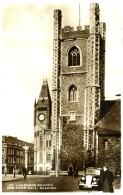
108, 138
14, 155
112, 155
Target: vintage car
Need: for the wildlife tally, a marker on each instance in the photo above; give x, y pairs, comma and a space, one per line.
91, 179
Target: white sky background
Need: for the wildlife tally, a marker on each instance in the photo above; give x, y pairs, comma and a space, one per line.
27, 54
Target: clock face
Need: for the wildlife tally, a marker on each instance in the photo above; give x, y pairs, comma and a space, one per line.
41, 117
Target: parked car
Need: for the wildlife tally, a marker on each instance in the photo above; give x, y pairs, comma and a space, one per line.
91, 179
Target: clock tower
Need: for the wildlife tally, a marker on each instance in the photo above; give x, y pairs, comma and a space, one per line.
42, 130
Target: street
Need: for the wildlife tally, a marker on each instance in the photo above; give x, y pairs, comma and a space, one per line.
47, 184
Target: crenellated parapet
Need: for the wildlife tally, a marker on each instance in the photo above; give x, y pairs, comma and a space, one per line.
69, 32
72, 29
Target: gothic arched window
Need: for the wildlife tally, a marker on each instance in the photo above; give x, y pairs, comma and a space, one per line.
72, 93
74, 57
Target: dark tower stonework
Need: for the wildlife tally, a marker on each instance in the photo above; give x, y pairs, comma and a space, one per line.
42, 130
78, 88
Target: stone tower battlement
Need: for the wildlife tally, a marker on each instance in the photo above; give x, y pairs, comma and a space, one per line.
94, 5
72, 29
57, 11
68, 32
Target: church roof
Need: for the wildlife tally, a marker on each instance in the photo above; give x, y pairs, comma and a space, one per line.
111, 122
44, 93
44, 89
105, 107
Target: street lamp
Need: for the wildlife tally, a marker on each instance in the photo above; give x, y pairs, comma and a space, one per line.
14, 166
14, 169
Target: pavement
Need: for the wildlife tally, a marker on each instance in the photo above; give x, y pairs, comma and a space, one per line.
10, 177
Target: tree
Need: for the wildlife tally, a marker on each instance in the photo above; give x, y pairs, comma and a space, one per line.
72, 147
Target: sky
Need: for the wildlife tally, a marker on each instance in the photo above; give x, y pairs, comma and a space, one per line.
26, 57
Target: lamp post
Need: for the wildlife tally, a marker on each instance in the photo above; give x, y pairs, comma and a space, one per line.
14, 169
95, 145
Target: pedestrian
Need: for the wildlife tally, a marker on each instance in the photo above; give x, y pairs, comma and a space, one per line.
76, 172
107, 180
5, 171
116, 171
14, 171
24, 172
70, 171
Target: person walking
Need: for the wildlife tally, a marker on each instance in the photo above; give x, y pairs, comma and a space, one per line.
24, 172
76, 172
107, 180
5, 171
14, 171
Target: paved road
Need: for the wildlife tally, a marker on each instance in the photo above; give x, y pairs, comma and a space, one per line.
47, 184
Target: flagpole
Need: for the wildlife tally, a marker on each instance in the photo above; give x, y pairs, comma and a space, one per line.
79, 13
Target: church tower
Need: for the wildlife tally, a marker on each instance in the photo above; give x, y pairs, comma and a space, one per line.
42, 130
77, 88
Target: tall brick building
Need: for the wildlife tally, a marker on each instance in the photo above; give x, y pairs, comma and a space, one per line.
17, 154
78, 85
